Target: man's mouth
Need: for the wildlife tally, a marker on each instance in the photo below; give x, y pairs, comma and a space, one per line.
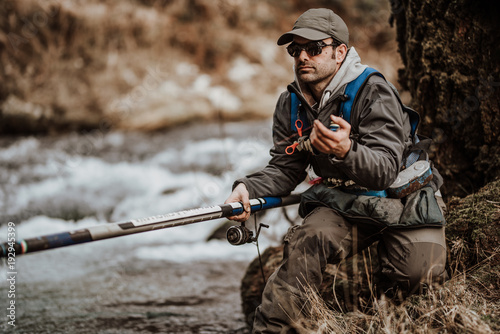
305, 67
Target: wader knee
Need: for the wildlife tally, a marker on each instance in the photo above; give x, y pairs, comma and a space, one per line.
413, 259
324, 237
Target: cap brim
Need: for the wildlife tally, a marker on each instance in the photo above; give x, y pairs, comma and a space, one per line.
307, 33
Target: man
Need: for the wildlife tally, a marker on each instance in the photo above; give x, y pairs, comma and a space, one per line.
364, 154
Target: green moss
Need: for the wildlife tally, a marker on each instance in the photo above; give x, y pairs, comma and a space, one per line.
473, 235
475, 212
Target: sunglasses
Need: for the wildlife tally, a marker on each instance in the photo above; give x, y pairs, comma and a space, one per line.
311, 48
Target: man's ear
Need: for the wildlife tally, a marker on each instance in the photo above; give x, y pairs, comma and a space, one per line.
340, 53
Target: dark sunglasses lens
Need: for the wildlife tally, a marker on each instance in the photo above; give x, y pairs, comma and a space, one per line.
312, 49
294, 50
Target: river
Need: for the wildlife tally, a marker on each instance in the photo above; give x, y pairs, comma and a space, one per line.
166, 281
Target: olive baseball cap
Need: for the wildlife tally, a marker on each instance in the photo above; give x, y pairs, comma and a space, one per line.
317, 24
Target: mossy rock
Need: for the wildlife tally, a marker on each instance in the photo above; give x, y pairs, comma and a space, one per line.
473, 239
454, 85
473, 228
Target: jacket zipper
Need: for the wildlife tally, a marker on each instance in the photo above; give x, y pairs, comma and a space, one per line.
292, 89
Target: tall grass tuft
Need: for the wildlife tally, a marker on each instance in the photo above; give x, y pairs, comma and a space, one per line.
461, 305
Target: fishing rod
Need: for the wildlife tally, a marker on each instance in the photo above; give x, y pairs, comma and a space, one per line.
236, 235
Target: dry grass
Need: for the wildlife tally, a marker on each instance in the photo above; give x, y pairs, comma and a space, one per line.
464, 304
456, 307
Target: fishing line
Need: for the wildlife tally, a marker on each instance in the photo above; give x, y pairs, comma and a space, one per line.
223, 136
258, 251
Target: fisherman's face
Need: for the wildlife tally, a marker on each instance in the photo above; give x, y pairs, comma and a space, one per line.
316, 69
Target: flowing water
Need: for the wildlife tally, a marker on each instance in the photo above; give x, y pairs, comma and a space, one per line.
166, 281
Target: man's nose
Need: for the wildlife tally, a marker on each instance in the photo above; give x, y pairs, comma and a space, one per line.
303, 55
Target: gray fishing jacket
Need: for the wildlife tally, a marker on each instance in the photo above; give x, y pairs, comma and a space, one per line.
380, 136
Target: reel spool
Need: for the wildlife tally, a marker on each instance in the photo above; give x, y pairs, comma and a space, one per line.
240, 235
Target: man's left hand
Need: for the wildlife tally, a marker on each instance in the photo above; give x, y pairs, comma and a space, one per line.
327, 141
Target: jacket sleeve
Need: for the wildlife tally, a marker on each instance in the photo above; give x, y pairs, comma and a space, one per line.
283, 172
383, 132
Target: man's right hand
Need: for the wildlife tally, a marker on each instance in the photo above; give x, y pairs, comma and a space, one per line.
240, 194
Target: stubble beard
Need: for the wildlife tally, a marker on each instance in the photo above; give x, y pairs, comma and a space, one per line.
314, 75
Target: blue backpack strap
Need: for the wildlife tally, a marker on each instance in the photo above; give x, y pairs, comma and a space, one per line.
352, 89
295, 113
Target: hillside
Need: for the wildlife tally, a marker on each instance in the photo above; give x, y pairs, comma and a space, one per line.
152, 64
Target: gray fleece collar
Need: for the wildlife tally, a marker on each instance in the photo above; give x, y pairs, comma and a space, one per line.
351, 68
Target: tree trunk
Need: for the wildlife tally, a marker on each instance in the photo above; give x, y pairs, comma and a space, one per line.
451, 53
